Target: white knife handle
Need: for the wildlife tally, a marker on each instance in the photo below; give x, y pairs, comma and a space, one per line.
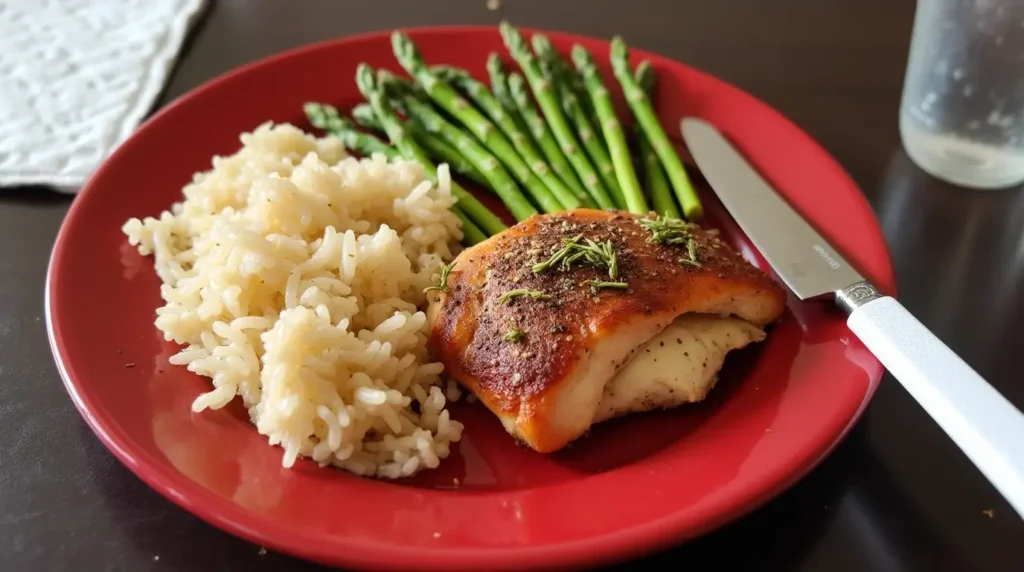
987, 427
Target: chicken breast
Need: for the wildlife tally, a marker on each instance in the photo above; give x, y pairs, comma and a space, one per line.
679, 365
539, 321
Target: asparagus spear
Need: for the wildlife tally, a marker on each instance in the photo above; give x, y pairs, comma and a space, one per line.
433, 122
499, 87
511, 93
552, 110
546, 52
448, 99
364, 116
485, 100
612, 129
326, 117
438, 148
641, 106
654, 176
473, 209
551, 64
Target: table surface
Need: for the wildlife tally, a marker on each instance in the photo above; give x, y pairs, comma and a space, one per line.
895, 495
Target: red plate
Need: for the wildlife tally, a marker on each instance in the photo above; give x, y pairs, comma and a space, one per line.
631, 486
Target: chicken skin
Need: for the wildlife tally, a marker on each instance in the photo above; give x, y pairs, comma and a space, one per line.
569, 319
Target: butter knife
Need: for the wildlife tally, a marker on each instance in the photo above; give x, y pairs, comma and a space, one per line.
986, 427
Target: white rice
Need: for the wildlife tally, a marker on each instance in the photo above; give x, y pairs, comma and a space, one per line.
293, 276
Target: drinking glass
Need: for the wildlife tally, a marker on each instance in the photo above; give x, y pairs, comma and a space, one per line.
962, 110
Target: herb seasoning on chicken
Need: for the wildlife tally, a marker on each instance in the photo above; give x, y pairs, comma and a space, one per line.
613, 322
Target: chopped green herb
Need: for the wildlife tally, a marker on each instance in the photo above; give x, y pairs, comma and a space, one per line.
673, 232
594, 253
691, 249
558, 256
442, 283
670, 231
511, 294
596, 285
514, 335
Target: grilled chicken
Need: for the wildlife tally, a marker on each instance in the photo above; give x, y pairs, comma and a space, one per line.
679, 365
553, 348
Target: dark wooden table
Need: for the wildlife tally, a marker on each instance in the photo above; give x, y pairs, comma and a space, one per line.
896, 495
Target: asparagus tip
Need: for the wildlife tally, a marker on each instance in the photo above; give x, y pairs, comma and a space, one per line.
494, 63
365, 80
619, 55
618, 47
363, 114
515, 80
541, 43
513, 39
645, 75
399, 42
323, 116
312, 108
406, 52
581, 57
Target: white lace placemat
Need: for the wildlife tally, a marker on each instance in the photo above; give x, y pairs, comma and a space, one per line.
77, 77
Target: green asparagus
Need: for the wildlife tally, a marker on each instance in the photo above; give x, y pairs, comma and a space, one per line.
433, 122
486, 101
448, 99
439, 149
564, 71
517, 102
617, 146
552, 66
641, 106
552, 110
466, 204
654, 176
327, 118
471, 233
364, 116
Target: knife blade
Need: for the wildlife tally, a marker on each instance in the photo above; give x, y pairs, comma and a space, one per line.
983, 423
808, 264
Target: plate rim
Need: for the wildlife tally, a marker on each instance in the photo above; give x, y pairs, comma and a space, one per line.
211, 508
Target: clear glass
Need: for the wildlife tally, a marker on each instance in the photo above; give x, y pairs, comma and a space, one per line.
962, 111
